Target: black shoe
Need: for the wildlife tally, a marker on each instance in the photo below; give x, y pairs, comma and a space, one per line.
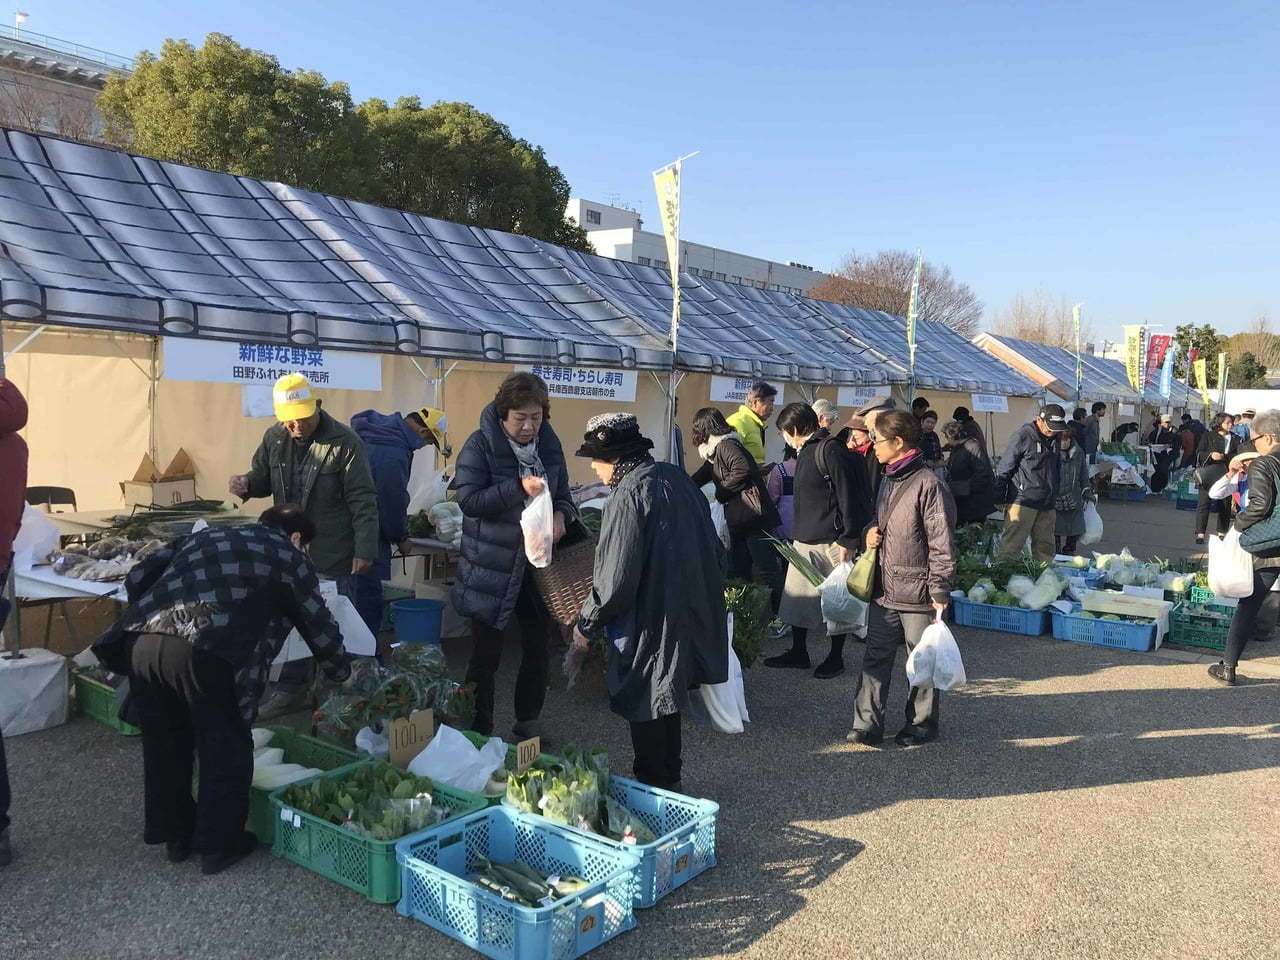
909, 738
830, 667
211, 863
1223, 674
865, 737
178, 851
792, 658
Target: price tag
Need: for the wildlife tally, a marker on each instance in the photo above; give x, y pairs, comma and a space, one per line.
527, 752
409, 735
297, 821
286, 814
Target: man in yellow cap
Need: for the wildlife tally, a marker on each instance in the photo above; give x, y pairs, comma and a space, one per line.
390, 441
311, 459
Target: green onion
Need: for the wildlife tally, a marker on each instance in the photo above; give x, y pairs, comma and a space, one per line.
793, 557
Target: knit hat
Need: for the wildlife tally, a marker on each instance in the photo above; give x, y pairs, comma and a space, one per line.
612, 436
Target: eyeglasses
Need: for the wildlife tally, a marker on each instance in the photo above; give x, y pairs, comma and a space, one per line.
882, 440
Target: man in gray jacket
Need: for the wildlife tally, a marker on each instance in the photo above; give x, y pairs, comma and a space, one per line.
1027, 483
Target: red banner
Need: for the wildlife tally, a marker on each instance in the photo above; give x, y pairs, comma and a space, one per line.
1157, 347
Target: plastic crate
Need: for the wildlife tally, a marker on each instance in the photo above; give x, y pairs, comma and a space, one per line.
435, 866
1122, 450
1189, 626
1136, 494
1199, 596
1184, 504
366, 866
686, 832
1119, 634
989, 616
479, 739
298, 748
98, 700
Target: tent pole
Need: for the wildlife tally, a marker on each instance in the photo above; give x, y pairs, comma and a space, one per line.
13, 630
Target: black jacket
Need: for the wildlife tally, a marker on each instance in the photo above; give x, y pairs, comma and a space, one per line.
491, 565
733, 470
1211, 441
1264, 483
972, 482
974, 432
1028, 473
835, 511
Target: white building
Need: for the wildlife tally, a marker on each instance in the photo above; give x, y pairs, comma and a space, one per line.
619, 233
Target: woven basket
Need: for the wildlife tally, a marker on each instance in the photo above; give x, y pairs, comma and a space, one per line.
566, 583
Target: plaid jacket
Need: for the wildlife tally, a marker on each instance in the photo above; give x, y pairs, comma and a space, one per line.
236, 593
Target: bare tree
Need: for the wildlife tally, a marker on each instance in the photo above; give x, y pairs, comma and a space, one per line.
1259, 340
45, 109
1040, 318
883, 282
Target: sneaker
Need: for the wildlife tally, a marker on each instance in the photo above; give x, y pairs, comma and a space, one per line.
830, 667
6, 851
178, 850
211, 863
779, 630
792, 658
1223, 674
909, 738
865, 737
282, 702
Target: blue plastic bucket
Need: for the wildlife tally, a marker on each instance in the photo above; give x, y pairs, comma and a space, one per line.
418, 621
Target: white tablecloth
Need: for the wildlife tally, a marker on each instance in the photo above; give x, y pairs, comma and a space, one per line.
41, 583
33, 692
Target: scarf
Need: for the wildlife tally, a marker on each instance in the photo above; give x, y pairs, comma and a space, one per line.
626, 465
528, 459
898, 466
705, 450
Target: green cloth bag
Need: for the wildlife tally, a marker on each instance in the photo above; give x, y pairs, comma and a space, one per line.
862, 578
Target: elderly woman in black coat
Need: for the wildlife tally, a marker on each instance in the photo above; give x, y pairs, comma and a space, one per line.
512, 457
657, 597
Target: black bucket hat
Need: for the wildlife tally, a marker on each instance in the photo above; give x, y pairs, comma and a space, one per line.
612, 436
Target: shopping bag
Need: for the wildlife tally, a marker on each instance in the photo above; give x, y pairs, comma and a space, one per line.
726, 703
452, 759
862, 578
537, 522
843, 612
1230, 566
935, 661
1092, 525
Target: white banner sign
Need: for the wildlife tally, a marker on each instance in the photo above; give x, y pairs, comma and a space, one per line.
855, 398
989, 403
587, 383
219, 361
1126, 409
730, 389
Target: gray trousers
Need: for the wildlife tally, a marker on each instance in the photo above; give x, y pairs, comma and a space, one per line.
887, 629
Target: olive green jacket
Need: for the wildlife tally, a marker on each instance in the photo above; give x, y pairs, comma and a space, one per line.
337, 491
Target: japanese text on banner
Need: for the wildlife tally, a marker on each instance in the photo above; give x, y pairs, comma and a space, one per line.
586, 383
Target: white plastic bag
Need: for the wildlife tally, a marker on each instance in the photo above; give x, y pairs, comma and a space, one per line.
935, 660
453, 759
843, 612
1092, 525
372, 742
718, 519
538, 524
1230, 566
37, 538
726, 703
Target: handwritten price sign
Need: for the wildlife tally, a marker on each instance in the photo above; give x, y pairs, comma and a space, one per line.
527, 752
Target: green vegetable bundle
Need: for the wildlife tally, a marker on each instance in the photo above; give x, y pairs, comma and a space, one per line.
794, 557
573, 790
376, 800
749, 604
518, 883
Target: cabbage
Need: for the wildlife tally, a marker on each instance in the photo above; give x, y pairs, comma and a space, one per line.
1002, 599
1019, 586
1045, 590
979, 592
1103, 561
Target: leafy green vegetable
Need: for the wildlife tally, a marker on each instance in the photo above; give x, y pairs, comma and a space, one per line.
1002, 599
375, 800
749, 604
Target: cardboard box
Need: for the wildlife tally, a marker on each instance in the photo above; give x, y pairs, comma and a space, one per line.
177, 484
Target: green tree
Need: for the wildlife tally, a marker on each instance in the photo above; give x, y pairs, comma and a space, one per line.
1246, 373
229, 108
1208, 342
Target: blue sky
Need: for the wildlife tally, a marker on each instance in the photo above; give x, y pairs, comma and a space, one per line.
1122, 154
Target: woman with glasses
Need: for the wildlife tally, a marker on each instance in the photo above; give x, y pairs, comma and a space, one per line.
1217, 447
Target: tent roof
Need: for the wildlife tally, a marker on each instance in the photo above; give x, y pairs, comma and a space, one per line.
98, 238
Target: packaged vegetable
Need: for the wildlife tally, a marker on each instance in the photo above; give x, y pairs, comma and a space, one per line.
261, 736
1019, 586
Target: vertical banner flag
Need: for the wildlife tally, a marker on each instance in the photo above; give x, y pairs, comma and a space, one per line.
1192, 353
1133, 356
912, 311
1222, 380
667, 184
1166, 372
1202, 380
1156, 348
1075, 320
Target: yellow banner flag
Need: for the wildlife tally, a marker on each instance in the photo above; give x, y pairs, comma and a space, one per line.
667, 184
1133, 356
1202, 380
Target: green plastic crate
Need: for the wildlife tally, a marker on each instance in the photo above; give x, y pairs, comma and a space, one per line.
1190, 627
479, 739
1200, 596
300, 748
98, 700
366, 866
1121, 450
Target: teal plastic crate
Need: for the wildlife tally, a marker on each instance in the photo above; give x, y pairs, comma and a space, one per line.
989, 616
436, 866
1118, 634
300, 748
1201, 625
98, 700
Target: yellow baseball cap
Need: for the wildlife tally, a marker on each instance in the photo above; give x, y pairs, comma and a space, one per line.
293, 398
436, 422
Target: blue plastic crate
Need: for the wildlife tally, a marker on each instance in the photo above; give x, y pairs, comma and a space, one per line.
437, 863
1183, 504
1131, 493
1120, 634
988, 616
686, 832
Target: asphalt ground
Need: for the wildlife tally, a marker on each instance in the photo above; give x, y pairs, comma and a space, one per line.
1082, 803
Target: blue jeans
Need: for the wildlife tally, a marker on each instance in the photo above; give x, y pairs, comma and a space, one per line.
369, 600
295, 674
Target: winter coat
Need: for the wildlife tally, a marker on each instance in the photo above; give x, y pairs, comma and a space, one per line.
971, 481
658, 594
974, 432
389, 443
834, 508
917, 520
1073, 473
781, 484
337, 491
1028, 472
729, 466
1211, 442
492, 563
13, 473
750, 430
1263, 485
1091, 434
